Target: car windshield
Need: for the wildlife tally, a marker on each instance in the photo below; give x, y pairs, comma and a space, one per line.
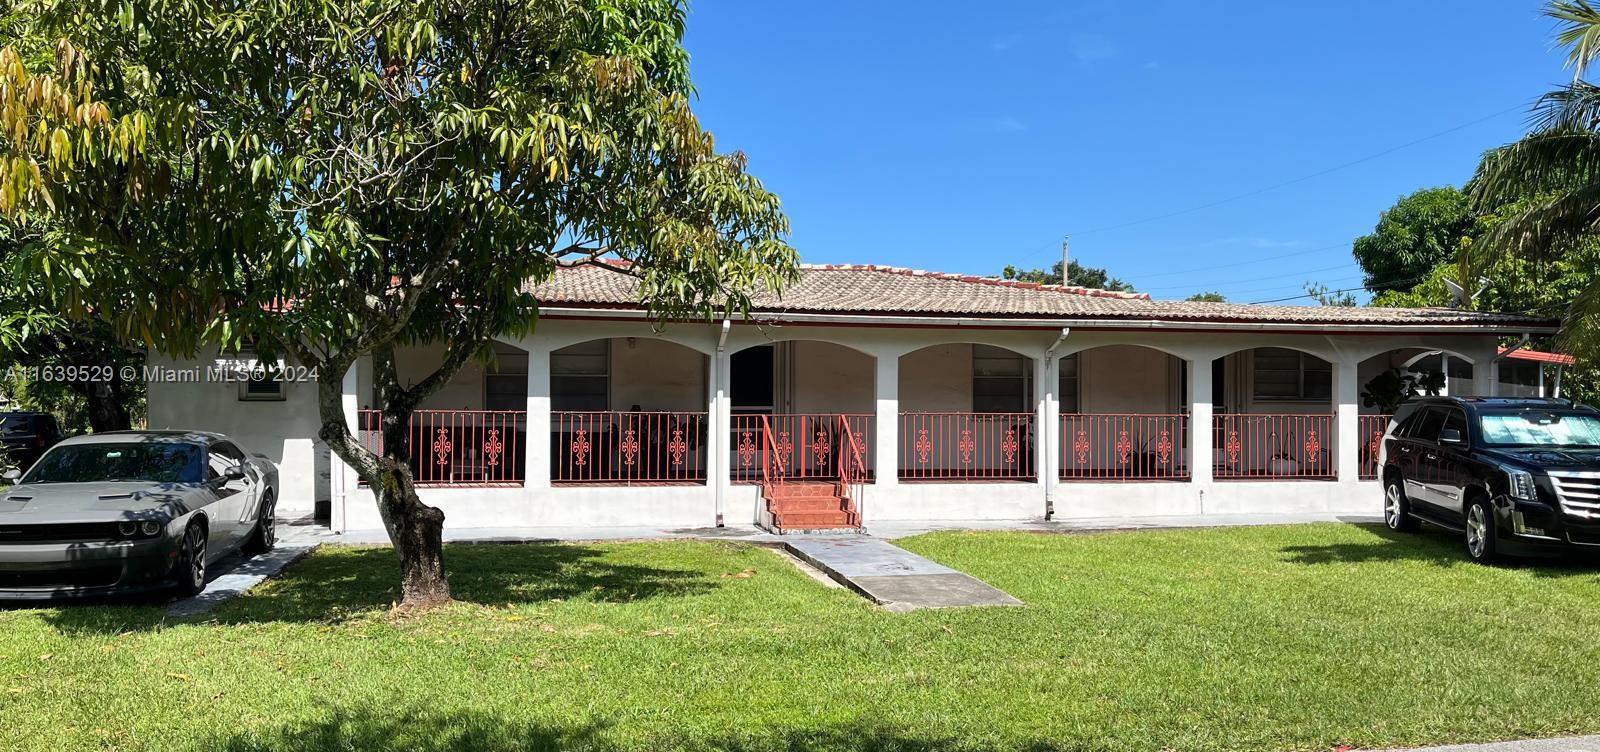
162, 462
1542, 429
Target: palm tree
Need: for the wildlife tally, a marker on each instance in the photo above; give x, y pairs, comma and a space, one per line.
1558, 165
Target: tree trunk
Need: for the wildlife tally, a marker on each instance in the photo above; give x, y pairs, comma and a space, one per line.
107, 410
417, 531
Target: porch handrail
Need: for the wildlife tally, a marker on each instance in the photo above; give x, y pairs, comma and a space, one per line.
852, 471
772, 462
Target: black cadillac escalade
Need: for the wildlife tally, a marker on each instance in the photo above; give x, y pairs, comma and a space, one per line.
1515, 476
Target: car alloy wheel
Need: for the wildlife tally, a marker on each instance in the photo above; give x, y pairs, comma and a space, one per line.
1391, 506
269, 523
195, 544
1477, 531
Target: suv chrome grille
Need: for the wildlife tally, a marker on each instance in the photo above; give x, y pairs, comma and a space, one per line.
1578, 492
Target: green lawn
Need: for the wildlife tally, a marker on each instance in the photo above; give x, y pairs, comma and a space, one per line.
1301, 637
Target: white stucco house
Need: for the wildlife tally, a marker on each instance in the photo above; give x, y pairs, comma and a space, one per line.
868, 393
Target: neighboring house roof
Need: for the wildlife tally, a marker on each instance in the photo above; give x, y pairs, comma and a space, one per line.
1540, 357
891, 291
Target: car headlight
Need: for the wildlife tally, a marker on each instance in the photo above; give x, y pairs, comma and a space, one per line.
1519, 484
127, 529
150, 528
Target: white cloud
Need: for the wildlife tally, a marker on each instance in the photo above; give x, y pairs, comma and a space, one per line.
1004, 125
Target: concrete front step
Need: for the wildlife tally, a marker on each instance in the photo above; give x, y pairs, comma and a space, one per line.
792, 520
788, 490
806, 504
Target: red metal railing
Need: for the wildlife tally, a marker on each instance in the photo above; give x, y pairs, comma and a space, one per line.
1373, 427
773, 464
852, 471
809, 444
1119, 447
461, 448
1266, 447
627, 447
966, 446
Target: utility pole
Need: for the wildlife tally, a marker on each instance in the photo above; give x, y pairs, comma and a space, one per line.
1065, 261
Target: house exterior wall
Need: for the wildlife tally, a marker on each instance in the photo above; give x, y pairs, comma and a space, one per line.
656, 376
285, 431
884, 371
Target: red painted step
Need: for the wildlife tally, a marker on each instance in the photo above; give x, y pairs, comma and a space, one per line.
803, 489
806, 504
812, 520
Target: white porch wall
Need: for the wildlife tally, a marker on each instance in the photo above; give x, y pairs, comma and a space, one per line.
827, 378
657, 376
1128, 379
937, 379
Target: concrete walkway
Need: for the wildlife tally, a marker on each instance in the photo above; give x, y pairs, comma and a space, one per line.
1567, 744
891, 576
235, 575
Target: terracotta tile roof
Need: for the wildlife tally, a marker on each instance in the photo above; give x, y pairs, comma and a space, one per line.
867, 290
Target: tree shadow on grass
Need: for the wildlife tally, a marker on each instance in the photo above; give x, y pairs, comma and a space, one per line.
342, 583
1431, 545
435, 731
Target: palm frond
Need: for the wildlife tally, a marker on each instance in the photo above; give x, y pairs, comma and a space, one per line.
1544, 162
1574, 107
1579, 29
1540, 232
1580, 332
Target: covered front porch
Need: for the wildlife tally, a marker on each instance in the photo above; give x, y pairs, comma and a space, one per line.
691, 422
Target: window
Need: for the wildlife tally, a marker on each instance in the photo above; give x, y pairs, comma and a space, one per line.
580, 377
1283, 374
1457, 420
1519, 379
1426, 427
265, 382
1068, 391
1001, 381
220, 459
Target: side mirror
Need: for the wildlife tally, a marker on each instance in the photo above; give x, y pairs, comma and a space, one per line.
13, 475
1451, 436
234, 473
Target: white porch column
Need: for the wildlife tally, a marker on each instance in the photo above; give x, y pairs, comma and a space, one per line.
1347, 419
537, 461
721, 430
1046, 429
346, 483
887, 466
1494, 379
1201, 469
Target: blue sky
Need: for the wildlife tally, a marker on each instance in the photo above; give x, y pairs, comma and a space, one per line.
962, 137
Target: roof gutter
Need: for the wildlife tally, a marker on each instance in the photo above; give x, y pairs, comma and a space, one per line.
963, 322
1050, 480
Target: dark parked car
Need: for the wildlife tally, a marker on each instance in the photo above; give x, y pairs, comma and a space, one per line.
1515, 476
130, 511
25, 436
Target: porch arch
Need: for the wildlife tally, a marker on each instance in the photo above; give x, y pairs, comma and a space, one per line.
967, 411
628, 410
1123, 414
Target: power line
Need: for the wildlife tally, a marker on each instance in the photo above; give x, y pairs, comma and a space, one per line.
1330, 292
1302, 178
1248, 263
1252, 279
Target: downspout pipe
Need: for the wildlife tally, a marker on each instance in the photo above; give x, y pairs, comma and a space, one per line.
716, 414
1046, 431
1494, 365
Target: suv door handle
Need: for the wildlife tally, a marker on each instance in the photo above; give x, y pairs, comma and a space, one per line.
1405, 448
1431, 456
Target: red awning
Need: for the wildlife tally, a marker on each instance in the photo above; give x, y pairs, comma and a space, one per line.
1540, 357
